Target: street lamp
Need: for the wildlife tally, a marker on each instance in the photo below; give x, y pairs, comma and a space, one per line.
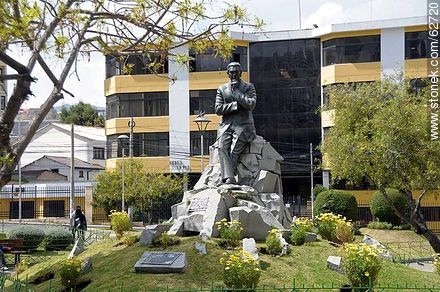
123, 139
202, 124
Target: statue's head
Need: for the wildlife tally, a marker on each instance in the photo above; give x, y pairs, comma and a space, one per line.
234, 72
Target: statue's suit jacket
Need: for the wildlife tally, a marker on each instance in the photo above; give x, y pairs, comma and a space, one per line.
236, 110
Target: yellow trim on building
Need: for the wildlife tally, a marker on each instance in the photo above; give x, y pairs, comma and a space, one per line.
210, 80
159, 163
212, 126
422, 27
327, 118
350, 72
143, 125
241, 43
136, 84
347, 34
416, 68
195, 162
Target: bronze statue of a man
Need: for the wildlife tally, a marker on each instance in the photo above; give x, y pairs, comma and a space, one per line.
234, 101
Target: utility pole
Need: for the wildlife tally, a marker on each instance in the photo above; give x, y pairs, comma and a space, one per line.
19, 177
72, 174
131, 125
311, 179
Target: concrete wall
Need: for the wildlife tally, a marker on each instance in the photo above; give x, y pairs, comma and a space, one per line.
392, 50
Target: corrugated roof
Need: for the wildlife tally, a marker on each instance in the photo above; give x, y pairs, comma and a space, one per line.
93, 133
78, 162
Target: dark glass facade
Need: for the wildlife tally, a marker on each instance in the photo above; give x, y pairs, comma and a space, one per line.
416, 45
209, 61
286, 75
134, 65
202, 100
144, 144
209, 138
147, 104
351, 50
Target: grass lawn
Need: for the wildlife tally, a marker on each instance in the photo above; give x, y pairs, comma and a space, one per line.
404, 244
113, 266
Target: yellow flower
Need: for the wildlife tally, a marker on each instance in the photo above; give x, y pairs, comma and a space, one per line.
367, 274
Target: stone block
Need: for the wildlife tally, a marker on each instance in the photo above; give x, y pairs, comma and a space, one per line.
269, 152
200, 247
86, 265
265, 182
250, 162
256, 146
177, 228
256, 223
151, 232
77, 248
310, 237
178, 210
250, 246
270, 165
335, 263
193, 222
284, 244
385, 253
161, 262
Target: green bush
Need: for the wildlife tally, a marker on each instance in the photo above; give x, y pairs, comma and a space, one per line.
273, 243
130, 239
58, 238
382, 210
240, 270
337, 202
165, 240
362, 264
70, 271
380, 225
319, 189
402, 227
298, 235
230, 233
32, 236
120, 223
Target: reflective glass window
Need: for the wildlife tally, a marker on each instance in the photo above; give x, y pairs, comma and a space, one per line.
202, 100
137, 105
416, 45
144, 144
351, 50
209, 138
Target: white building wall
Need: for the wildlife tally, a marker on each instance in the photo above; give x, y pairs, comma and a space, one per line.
54, 143
179, 113
392, 50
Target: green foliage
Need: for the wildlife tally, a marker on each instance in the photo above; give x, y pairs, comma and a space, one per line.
273, 242
230, 233
70, 271
379, 225
120, 223
165, 240
362, 264
82, 114
130, 239
381, 209
335, 228
305, 223
240, 270
57, 238
22, 266
437, 263
32, 236
338, 202
402, 227
298, 235
319, 189
146, 191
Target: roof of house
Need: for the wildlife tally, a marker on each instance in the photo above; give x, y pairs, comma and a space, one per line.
92, 133
66, 161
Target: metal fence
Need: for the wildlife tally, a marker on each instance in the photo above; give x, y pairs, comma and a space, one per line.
39, 202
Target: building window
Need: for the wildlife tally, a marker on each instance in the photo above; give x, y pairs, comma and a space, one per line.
27, 210
98, 153
135, 64
202, 100
416, 45
209, 61
54, 208
81, 173
209, 138
144, 145
2, 102
351, 50
325, 96
146, 104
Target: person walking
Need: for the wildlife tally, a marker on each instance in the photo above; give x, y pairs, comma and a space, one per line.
79, 223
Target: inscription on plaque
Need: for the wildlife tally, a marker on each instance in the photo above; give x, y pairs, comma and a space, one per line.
199, 204
160, 258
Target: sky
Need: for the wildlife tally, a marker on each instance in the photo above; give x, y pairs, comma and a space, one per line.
278, 14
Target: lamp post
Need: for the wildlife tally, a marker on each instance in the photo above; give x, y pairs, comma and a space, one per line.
123, 139
202, 124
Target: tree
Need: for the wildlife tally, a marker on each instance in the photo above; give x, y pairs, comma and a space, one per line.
82, 114
146, 191
69, 29
381, 135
